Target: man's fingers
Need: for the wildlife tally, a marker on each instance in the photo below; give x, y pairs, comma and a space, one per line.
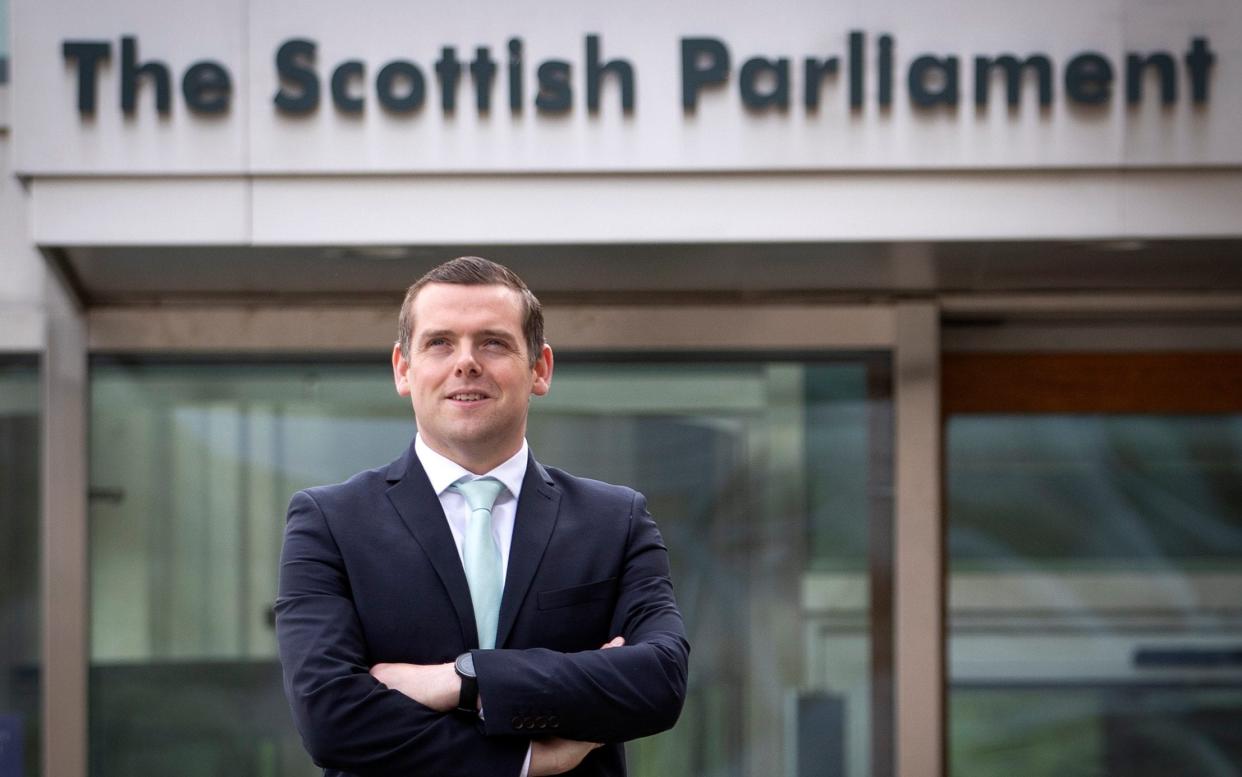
612, 643
389, 675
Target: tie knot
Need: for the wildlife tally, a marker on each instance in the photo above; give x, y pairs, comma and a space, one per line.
480, 493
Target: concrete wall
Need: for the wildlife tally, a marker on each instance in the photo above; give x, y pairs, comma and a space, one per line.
23, 273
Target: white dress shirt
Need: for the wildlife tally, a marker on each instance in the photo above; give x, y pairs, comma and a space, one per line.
444, 472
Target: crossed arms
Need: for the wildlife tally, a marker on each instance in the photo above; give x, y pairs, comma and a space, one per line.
351, 721
437, 686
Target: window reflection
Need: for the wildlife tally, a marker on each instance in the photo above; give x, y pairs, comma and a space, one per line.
4, 41
1095, 594
20, 620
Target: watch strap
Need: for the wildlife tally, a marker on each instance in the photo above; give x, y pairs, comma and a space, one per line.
468, 699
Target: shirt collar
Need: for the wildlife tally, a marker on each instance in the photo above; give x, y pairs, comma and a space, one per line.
444, 472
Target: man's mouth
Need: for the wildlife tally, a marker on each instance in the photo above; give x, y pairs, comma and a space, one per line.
466, 396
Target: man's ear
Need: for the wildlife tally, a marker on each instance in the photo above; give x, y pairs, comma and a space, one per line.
400, 371
543, 372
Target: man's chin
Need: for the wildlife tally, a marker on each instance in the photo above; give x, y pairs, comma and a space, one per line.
482, 441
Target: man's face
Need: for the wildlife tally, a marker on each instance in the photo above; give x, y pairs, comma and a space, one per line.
469, 375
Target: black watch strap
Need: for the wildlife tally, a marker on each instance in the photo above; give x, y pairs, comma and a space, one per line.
468, 701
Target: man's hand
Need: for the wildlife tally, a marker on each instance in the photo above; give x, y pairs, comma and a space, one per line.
557, 756
432, 685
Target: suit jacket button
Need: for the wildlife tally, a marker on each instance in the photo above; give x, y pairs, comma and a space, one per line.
554, 721
541, 722
517, 721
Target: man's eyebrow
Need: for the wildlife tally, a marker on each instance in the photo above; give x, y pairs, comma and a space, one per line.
497, 333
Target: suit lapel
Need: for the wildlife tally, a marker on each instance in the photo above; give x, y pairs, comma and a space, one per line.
419, 507
532, 529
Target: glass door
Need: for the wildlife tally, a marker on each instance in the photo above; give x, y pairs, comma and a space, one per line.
768, 477
1095, 557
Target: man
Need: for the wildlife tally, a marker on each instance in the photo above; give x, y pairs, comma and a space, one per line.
465, 610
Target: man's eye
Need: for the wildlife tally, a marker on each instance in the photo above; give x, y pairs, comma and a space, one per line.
437, 341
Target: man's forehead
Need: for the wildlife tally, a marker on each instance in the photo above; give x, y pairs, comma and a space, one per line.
456, 306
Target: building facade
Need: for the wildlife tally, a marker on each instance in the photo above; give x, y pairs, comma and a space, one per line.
919, 324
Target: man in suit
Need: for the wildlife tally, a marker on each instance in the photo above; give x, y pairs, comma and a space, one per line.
466, 610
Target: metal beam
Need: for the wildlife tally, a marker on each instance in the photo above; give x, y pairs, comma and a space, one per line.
294, 329
918, 546
64, 552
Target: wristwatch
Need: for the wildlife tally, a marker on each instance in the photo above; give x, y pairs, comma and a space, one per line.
468, 701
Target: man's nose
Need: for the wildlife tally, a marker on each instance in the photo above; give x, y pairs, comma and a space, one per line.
467, 364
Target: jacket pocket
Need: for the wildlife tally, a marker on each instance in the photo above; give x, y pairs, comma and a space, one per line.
578, 594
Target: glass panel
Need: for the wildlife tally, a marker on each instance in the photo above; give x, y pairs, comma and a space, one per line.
20, 593
191, 469
764, 477
4, 41
1095, 594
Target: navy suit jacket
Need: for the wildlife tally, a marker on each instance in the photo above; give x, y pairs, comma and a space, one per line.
369, 573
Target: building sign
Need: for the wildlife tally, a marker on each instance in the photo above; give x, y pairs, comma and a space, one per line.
268, 87
763, 83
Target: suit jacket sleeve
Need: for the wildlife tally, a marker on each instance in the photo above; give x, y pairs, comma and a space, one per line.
601, 695
347, 719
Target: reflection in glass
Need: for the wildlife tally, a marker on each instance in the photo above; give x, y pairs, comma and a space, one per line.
1095, 594
191, 469
4, 40
764, 478
20, 595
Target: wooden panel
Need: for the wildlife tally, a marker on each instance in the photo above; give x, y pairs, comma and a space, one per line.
1092, 383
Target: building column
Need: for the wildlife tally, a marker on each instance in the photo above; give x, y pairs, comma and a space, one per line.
65, 569
918, 546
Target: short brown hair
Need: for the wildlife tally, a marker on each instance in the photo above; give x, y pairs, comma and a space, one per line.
476, 271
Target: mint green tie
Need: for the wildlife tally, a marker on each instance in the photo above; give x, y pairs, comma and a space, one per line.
481, 557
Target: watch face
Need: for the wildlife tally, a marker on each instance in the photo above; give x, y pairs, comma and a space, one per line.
465, 664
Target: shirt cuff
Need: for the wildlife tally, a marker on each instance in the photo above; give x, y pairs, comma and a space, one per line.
526, 763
